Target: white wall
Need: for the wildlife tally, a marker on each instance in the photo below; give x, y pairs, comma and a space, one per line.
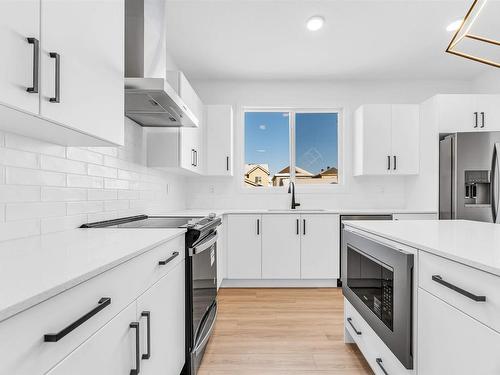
488, 82
46, 188
359, 192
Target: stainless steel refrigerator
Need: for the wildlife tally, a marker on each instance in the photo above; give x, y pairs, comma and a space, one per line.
469, 176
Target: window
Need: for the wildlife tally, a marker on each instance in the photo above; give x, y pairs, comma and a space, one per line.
284, 146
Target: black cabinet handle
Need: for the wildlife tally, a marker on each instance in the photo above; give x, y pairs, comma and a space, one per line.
227, 163
195, 158
55, 337
388, 163
379, 363
438, 279
168, 260
298, 227
304, 227
36, 47
349, 320
482, 119
57, 97
395, 159
137, 369
258, 227
147, 314
476, 120
192, 157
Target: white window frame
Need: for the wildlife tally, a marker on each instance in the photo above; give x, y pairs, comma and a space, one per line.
309, 188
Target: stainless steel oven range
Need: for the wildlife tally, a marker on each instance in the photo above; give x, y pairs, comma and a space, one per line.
201, 275
378, 281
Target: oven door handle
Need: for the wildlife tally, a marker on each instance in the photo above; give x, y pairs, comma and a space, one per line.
204, 340
208, 243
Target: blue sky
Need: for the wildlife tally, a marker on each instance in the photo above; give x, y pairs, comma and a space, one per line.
267, 140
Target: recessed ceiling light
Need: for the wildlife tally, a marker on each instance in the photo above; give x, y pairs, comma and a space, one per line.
315, 23
454, 25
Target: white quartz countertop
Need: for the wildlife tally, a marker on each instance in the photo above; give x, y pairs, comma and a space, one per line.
36, 268
472, 243
341, 211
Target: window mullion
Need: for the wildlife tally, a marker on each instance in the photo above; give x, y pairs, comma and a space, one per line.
292, 145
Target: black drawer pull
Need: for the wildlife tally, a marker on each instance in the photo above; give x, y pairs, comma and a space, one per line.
55, 337
36, 46
438, 279
168, 260
379, 363
137, 369
147, 314
349, 320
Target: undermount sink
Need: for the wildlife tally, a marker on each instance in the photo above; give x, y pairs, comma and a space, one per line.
297, 209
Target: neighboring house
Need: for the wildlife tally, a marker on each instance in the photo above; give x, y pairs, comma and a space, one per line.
257, 175
283, 177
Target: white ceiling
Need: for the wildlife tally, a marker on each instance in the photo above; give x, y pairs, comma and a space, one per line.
371, 39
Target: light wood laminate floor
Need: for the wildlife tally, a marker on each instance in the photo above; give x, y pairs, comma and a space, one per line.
281, 332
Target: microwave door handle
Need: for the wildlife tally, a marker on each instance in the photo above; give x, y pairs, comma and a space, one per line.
494, 187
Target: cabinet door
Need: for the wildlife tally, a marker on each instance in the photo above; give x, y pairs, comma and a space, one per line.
88, 36
219, 140
405, 139
456, 113
162, 306
19, 20
281, 246
373, 139
320, 247
188, 148
244, 246
450, 342
110, 351
489, 112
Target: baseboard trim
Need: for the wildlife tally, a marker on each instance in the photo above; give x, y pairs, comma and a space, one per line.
270, 283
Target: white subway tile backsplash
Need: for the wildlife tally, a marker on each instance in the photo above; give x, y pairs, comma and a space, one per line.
84, 155
16, 229
99, 170
86, 207
85, 181
19, 176
63, 194
18, 158
33, 145
31, 210
115, 184
57, 224
101, 195
62, 165
116, 205
46, 187
16, 193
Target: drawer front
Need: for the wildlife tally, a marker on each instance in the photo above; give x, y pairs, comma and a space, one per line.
25, 352
469, 280
376, 353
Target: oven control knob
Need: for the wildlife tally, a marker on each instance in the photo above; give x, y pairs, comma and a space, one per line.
212, 215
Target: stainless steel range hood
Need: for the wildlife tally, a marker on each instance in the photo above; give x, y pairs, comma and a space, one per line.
149, 99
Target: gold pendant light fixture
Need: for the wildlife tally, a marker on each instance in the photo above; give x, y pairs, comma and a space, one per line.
473, 42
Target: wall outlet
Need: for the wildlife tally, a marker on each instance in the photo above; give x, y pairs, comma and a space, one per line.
211, 189
167, 189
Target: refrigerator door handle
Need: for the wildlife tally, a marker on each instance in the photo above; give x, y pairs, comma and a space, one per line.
494, 166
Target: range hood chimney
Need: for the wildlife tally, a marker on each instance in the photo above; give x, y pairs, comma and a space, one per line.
149, 99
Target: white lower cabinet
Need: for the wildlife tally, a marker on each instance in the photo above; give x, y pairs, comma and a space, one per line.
162, 344
244, 242
451, 342
319, 247
111, 350
281, 246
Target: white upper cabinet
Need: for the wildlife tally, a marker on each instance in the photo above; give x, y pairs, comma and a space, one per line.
20, 38
86, 91
79, 49
467, 113
281, 246
386, 139
219, 140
